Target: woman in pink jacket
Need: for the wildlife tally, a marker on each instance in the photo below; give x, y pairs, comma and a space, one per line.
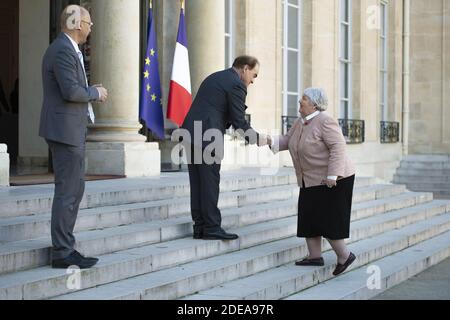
325, 175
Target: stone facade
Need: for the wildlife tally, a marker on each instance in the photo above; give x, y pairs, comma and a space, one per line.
259, 31
4, 166
430, 77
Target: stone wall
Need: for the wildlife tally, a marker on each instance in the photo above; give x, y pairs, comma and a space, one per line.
430, 77
4, 166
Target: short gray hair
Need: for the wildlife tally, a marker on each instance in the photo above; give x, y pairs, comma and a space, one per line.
318, 97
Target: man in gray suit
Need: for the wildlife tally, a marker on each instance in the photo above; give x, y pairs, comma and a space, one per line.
64, 118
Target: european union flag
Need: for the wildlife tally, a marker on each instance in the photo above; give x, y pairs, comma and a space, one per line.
150, 109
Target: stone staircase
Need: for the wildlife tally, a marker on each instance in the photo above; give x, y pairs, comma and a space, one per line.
141, 231
430, 173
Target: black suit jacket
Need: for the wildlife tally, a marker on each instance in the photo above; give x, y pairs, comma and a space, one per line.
219, 103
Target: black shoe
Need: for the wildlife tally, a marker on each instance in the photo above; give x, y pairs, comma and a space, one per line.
342, 267
198, 233
310, 262
86, 258
74, 259
219, 235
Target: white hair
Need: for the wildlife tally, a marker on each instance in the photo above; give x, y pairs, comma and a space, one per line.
318, 97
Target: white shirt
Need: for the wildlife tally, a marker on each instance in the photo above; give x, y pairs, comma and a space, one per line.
80, 56
311, 116
74, 44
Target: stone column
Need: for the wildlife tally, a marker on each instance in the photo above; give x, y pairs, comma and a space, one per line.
205, 23
206, 36
4, 166
34, 26
114, 145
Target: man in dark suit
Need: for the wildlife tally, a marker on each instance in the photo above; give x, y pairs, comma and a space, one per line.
219, 103
64, 117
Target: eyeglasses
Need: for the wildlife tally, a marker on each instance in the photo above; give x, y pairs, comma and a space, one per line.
89, 23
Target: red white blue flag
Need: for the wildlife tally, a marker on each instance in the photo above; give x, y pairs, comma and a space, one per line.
180, 95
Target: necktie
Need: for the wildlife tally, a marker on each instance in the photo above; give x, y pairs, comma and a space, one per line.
91, 114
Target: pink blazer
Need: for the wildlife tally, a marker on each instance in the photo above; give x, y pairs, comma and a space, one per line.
318, 150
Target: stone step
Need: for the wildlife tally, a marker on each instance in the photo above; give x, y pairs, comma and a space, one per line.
391, 270
418, 178
224, 265
26, 254
30, 227
289, 279
427, 158
375, 207
30, 200
424, 165
424, 185
441, 194
437, 194
18, 201
423, 172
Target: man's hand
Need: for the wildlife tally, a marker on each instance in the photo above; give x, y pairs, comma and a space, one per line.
102, 92
264, 140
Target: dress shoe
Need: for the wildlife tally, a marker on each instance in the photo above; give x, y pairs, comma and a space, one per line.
86, 258
198, 233
342, 267
74, 259
219, 235
310, 262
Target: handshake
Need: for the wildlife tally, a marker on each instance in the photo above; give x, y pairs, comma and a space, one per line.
264, 140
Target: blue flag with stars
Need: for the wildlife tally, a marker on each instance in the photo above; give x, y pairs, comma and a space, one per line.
150, 109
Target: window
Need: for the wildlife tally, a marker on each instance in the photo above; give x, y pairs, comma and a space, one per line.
291, 57
383, 61
229, 32
345, 58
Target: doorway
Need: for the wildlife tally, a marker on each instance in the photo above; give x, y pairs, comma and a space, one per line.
9, 72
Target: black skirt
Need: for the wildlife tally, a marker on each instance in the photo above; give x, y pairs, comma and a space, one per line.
326, 212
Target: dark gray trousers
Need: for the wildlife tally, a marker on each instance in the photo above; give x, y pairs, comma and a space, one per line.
69, 168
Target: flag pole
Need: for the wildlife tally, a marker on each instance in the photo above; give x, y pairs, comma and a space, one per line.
151, 4
182, 4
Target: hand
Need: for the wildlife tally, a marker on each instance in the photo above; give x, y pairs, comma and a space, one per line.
263, 140
102, 92
269, 141
329, 183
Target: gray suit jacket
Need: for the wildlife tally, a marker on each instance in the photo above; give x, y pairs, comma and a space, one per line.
64, 112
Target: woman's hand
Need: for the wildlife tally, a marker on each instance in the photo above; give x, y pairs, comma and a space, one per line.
330, 183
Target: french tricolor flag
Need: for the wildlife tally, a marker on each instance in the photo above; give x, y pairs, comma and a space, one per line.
180, 94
